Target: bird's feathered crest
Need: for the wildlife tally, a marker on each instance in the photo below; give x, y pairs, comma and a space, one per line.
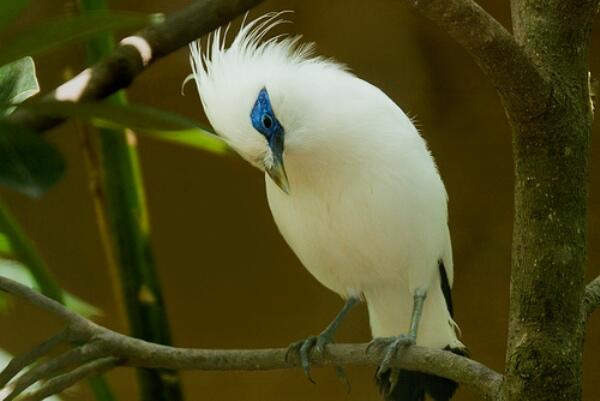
246, 49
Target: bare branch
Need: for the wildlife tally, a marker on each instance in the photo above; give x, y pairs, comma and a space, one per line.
591, 301
135, 53
62, 382
18, 363
134, 352
495, 50
77, 356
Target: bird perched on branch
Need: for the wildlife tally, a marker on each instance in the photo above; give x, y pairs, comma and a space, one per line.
351, 185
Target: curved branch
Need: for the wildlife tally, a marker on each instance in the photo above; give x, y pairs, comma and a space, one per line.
495, 50
135, 53
591, 301
134, 352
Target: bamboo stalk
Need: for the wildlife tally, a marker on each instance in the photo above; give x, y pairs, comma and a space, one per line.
127, 217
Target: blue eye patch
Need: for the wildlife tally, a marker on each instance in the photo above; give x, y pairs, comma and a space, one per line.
263, 117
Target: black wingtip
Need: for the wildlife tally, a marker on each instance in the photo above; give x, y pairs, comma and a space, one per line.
408, 386
412, 386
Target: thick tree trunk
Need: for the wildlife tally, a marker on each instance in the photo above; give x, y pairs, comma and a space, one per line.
544, 356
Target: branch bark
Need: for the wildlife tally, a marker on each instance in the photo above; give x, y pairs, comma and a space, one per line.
130, 351
592, 298
522, 87
134, 54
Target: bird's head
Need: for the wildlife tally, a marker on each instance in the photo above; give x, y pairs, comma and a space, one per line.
253, 95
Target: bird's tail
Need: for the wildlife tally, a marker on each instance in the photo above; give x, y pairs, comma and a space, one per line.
412, 386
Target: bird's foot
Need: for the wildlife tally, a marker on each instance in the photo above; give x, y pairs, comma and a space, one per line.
391, 345
303, 348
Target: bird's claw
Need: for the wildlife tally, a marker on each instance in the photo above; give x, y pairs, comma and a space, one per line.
303, 348
392, 345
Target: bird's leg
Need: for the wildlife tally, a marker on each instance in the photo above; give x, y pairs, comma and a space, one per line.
393, 344
304, 347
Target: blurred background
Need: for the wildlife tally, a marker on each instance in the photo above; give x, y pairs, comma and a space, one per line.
229, 279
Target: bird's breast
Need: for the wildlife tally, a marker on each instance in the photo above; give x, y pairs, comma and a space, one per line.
359, 233
323, 236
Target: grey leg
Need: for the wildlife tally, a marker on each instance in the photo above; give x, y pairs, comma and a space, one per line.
304, 347
393, 344
417, 312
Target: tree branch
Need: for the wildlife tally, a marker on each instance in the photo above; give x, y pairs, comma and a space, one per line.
495, 50
134, 54
591, 301
101, 343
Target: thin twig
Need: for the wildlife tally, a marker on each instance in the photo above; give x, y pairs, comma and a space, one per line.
74, 357
62, 382
119, 70
135, 352
18, 363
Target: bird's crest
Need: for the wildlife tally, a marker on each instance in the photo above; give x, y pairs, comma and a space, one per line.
247, 48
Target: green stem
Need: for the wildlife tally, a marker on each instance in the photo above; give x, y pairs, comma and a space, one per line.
125, 211
25, 252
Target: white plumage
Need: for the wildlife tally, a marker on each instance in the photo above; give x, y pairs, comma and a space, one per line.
366, 210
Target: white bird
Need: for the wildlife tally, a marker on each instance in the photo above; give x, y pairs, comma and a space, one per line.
351, 185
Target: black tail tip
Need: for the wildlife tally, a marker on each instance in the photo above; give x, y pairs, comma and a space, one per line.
412, 386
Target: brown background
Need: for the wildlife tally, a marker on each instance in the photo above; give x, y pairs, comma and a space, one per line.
228, 277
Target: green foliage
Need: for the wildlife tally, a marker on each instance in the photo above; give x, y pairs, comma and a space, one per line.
31, 165
155, 123
4, 246
195, 137
66, 30
17, 83
28, 163
126, 213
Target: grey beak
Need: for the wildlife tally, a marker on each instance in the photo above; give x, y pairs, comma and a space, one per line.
277, 170
278, 174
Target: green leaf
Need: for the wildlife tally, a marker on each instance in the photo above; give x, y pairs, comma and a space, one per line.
18, 82
69, 29
5, 248
152, 122
9, 10
197, 138
28, 163
20, 273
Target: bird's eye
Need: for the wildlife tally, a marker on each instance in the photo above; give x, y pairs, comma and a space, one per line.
267, 121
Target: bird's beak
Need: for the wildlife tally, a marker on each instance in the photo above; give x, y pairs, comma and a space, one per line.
278, 175
276, 169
